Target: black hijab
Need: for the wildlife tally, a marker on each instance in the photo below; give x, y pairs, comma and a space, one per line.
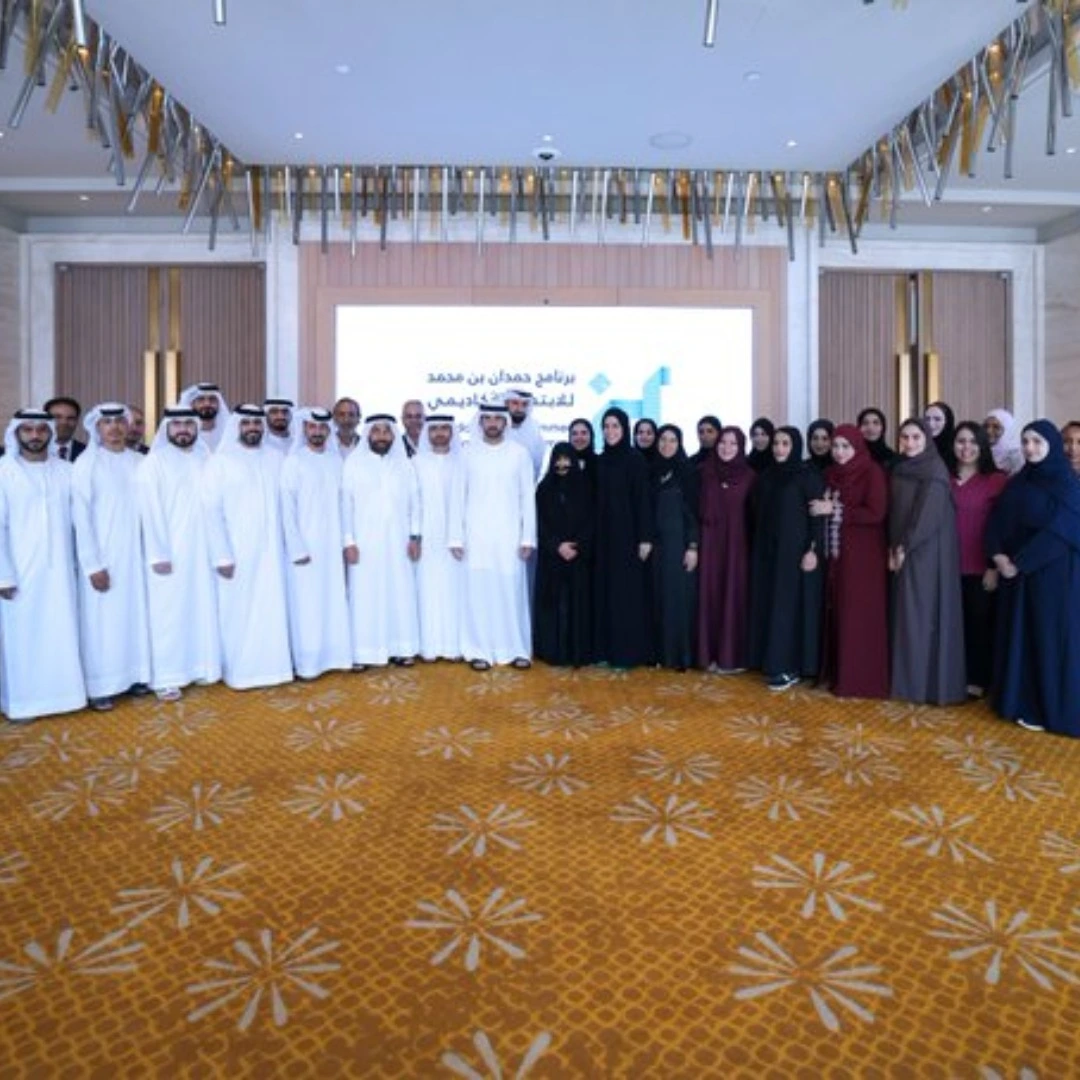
701, 453
649, 454
676, 470
794, 462
944, 441
759, 460
624, 445
570, 490
878, 449
585, 458
822, 461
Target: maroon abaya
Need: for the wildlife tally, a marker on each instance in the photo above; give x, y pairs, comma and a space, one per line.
724, 559
856, 643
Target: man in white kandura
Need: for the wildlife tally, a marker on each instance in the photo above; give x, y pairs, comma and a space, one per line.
40, 670
113, 628
493, 529
439, 576
311, 517
185, 644
247, 551
278, 436
209, 403
380, 501
524, 429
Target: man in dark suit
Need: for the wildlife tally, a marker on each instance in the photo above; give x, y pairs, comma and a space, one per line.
136, 432
65, 413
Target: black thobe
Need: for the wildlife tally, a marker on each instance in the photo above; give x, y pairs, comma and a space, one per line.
623, 521
785, 600
562, 601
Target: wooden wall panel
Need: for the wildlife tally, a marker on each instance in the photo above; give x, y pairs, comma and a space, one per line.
861, 328
858, 335
102, 330
223, 329
970, 333
535, 273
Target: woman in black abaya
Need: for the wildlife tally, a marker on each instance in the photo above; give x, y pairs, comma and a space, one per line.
624, 536
761, 434
562, 601
675, 554
787, 567
1034, 540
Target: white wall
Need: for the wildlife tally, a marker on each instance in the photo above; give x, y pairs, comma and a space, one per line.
1063, 329
11, 372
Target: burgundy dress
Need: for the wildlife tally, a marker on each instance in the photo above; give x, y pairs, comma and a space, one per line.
856, 640
724, 560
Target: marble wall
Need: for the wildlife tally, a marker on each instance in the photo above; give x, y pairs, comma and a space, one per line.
11, 375
1062, 306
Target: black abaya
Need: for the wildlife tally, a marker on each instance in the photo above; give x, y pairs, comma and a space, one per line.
562, 600
673, 588
785, 600
623, 521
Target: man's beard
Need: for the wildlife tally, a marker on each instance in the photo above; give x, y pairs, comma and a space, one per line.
251, 438
181, 442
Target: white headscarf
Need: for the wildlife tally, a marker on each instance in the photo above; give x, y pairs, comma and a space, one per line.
312, 414
1008, 451
205, 389
397, 447
106, 408
439, 418
476, 433
25, 416
161, 444
230, 439
13, 459
528, 427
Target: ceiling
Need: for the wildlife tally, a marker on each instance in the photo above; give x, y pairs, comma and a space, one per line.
485, 81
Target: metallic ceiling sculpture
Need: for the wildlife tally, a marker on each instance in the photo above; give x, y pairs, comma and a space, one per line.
960, 128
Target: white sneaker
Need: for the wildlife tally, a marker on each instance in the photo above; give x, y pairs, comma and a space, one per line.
1027, 725
170, 693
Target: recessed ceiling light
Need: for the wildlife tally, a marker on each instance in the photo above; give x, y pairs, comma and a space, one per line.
670, 140
546, 138
1070, 149
342, 69
791, 144
987, 209
751, 76
84, 198
298, 134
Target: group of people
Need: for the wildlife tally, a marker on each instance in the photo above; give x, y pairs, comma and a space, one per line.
941, 571
269, 542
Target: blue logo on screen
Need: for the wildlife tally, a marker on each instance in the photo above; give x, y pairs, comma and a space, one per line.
647, 405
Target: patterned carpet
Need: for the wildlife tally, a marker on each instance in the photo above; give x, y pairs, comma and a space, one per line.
546, 874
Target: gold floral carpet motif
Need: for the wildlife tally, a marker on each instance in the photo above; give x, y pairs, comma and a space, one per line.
436, 873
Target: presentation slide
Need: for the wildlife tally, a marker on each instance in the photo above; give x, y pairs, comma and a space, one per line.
670, 364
